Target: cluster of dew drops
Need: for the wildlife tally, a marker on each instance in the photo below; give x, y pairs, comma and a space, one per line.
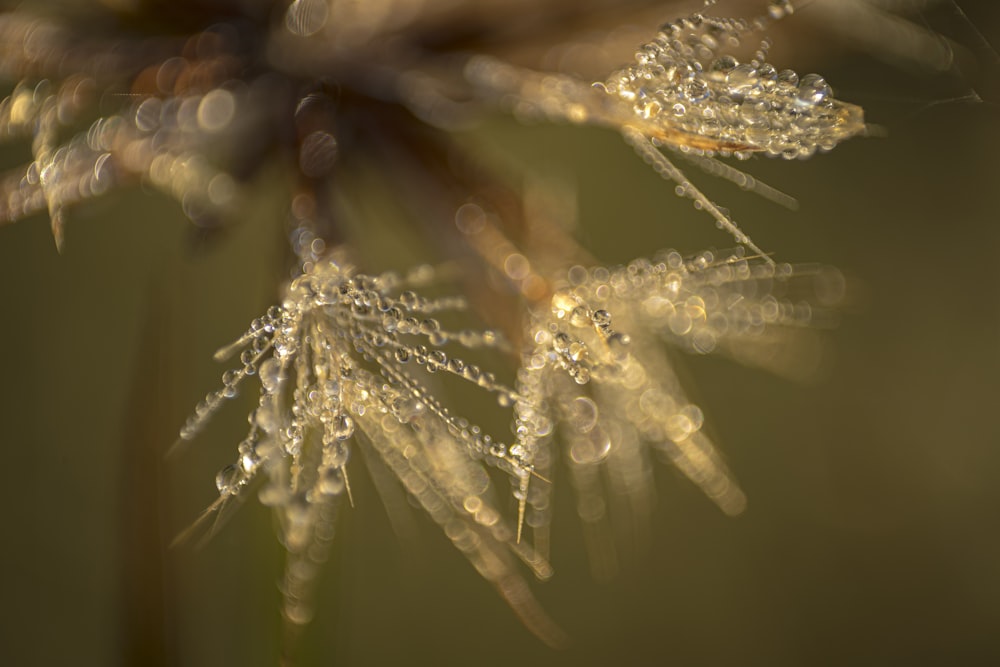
684, 81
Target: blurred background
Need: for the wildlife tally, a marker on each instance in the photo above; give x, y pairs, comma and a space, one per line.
872, 534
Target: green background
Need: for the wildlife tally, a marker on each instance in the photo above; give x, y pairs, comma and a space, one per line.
872, 535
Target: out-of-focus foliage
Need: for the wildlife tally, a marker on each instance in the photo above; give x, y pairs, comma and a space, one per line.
868, 493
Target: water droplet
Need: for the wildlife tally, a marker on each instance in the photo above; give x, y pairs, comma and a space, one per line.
317, 154
436, 360
215, 110
696, 90
336, 454
470, 219
147, 115
230, 480
420, 354
787, 79
407, 408
579, 317
391, 319
331, 481
248, 463
230, 378
722, 66
779, 9
579, 374
601, 318
648, 109
768, 75
306, 17
343, 426
591, 448
487, 381
618, 344
409, 299
813, 90
743, 81
293, 444
582, 413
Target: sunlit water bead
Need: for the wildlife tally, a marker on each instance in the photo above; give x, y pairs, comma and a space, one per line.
779, 9
743, 81
342, 427
216, 109
601, 319
582, 413
307, 17
271, 376
148, 114
695, 90
813, 90
698, 98
331, 480
686, 421
318, 154
719, 69
589, 447
250, 459
230, 480
336, 453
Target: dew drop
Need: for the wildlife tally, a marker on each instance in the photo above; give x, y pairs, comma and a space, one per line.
618, 344
470, 219
601, 318
249, 462
147, 115
582, 414
743, 80
487, 381
391, 319
787, 79
331, 481
229, 480
579, 317
592, 448
215, 110
318, 154
306, 17
723, 65
779, 9
579, 374
696, 90
336, 454
343, 426
409, 299
813, 90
